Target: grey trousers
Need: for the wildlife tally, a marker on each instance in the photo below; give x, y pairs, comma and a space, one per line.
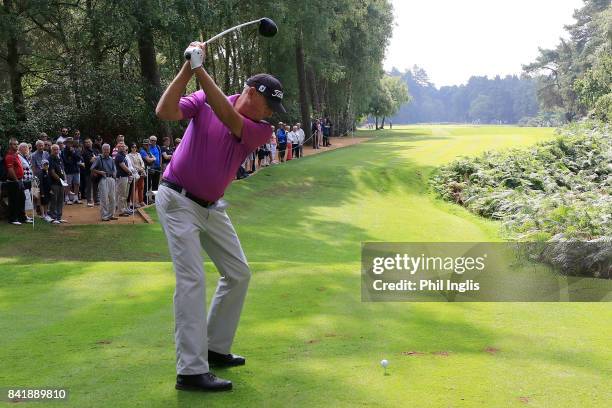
122, 194
189, 228
106, 190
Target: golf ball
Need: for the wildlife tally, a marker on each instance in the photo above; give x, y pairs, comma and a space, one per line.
384, 363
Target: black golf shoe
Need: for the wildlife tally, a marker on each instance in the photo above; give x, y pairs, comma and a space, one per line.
225, 360
202, 382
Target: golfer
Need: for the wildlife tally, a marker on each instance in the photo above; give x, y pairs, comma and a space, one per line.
222, 132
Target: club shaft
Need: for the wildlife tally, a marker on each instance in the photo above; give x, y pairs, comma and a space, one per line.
229, 30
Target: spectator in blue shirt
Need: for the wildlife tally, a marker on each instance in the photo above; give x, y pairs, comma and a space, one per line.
281, 141
146, 155
155, 169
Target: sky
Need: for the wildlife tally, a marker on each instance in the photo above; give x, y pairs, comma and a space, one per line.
455, 39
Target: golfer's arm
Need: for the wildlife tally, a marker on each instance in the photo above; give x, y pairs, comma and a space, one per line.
168, 105
219, 103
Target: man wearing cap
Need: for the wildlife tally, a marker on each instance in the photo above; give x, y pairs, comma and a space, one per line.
222, 132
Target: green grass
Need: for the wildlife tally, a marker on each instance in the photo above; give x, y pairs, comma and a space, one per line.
90, 308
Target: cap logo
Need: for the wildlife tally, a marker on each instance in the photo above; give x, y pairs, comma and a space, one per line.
278, 94
262, 88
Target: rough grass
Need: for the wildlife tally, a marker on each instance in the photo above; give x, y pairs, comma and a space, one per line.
90, 308
559, 189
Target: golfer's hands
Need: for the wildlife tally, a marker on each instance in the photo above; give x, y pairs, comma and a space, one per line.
195, 54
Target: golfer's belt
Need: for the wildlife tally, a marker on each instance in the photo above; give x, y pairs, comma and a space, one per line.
181, 190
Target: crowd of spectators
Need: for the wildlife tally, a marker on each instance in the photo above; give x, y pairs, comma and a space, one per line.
286, 143
321, 132
72, 170
117, 178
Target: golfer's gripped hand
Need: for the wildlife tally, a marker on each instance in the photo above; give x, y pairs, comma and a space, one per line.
198, 53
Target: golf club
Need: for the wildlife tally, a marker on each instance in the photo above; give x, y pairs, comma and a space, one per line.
267, 28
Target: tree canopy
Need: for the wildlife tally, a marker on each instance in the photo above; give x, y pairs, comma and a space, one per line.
575, 75
101, 65
387, 98
482, 99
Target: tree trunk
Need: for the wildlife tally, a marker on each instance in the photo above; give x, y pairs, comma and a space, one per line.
349, 110
382, 125
74, 84
15, 73
316, 105
150, 74
72, 67
376, 121
211, 57
122, 57
320, 90
235, 64
324, 97
96, 62
304, 108
226, 82
246, 59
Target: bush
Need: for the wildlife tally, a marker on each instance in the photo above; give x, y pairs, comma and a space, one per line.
544, 119
603, 108
559, 190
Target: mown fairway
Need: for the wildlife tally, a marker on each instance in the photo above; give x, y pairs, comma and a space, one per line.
90, 308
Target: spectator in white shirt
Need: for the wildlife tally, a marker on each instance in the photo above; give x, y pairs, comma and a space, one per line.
295, 142
301, 138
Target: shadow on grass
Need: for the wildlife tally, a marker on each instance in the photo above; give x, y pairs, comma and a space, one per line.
281, 201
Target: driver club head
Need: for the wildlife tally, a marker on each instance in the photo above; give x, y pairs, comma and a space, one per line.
267, 27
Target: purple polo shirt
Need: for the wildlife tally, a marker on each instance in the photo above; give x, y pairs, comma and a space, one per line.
209, 156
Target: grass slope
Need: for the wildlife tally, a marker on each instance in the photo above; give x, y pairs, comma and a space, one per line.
90, 308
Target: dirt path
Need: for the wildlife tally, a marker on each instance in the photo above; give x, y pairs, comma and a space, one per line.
80, 214
336, 143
